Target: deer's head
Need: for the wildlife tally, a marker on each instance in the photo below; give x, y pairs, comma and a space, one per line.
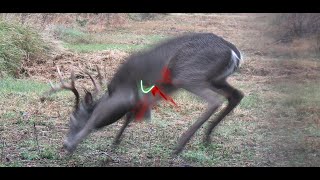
90, 110
83, 108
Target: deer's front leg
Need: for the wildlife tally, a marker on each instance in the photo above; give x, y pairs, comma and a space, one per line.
129, 118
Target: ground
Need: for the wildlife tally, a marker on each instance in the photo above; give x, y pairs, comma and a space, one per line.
276, 124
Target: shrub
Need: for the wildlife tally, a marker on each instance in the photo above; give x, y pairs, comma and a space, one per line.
296, 25
18, 43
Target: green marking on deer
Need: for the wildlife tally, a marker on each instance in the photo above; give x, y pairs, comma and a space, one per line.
147, 89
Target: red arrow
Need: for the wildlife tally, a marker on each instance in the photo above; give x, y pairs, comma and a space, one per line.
156, 90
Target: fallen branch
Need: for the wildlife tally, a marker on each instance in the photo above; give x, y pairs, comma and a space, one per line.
36, 136
2, 150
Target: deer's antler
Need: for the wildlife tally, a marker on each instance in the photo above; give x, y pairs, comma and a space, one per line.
97, 86
63, 85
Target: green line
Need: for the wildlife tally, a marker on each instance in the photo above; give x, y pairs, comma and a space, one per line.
147, 90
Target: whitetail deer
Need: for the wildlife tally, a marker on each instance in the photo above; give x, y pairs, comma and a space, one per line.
199, 63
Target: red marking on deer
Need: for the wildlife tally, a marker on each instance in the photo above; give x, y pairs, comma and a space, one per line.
142, 108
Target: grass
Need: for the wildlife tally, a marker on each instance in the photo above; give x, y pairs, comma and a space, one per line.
72, 35
85, 48
16, 43
19, 94
114, 42
15, 164
288, 137
9, 84
313, 130
48, 152
9, 115
250, 101
300, 94
31, 152
17, 118
130, 38
25, 90
276, 126
27, 155
198, 156
80, 41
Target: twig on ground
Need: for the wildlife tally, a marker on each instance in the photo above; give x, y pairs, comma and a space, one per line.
36, 136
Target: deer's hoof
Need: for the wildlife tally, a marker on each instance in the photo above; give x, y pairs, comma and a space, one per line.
176, 152
67, 146
115, 144
206, 141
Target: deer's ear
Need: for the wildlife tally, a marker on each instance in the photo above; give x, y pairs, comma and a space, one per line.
88, 100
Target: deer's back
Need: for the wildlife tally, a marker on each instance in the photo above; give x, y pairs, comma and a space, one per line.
194, 56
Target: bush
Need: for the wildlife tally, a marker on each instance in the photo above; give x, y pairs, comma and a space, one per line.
18, 43
296, 25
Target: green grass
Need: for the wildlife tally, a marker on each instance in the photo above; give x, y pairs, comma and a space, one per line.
18, 95
15, 164
186, 96
120, 42
29, 155
48, 152
160, 150
8, 85
80, 41
30, 143
9, 115
154, 38
72, 35
250, 101
197, 156
215, 154
25, 87
233, 127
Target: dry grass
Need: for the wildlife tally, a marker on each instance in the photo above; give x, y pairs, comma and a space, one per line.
92, 22
276, 124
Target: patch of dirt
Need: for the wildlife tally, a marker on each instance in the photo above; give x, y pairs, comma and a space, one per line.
270, 70
108, 61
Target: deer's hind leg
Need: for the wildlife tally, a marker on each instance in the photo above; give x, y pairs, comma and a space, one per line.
234, 97
213, 103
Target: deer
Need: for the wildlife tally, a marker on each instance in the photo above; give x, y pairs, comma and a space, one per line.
199, 63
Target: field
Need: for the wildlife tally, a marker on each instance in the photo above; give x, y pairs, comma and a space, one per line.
276, 124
